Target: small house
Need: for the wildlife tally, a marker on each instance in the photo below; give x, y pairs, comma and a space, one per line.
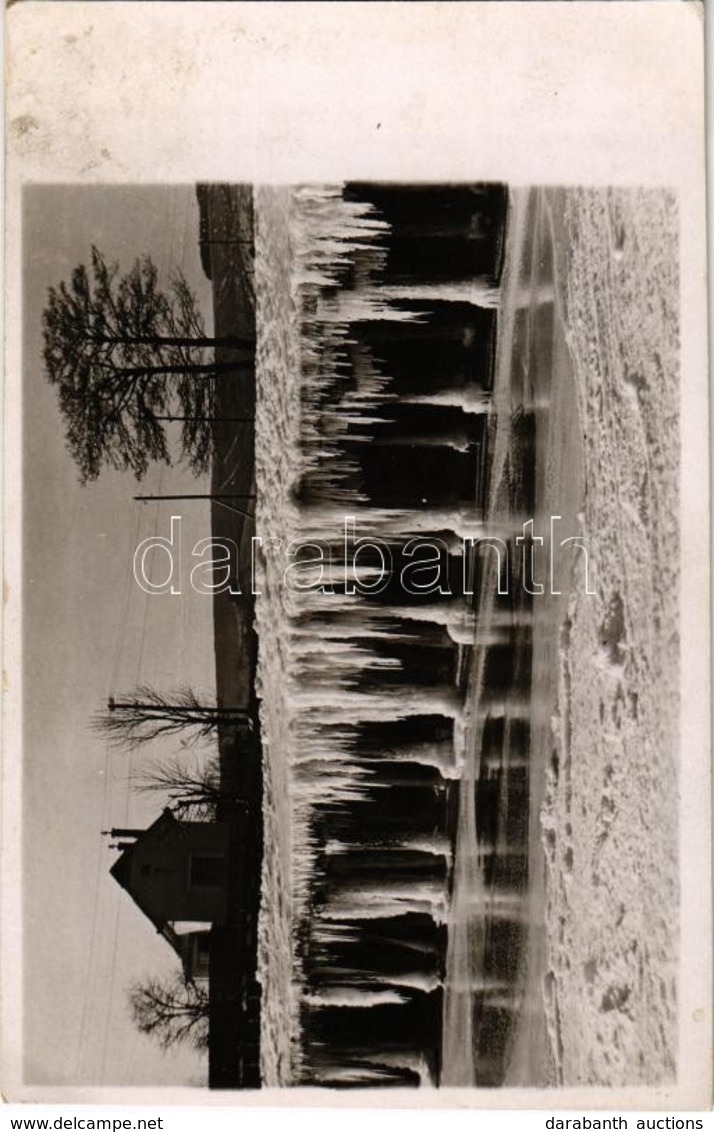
175, 870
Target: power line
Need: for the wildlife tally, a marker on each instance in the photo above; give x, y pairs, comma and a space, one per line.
115, 941
126, 598
95, 919
142, 636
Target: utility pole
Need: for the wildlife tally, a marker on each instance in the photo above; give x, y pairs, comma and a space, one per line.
195, 713
219, 498
235, 240
230, 420
175, 498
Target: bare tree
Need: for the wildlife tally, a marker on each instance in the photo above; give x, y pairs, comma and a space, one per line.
149, 714
193, 787
171, 1011
122, 352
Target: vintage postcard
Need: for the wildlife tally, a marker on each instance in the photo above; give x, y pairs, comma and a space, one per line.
356, 669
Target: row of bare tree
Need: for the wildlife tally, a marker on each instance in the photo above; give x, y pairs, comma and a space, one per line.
172, 1010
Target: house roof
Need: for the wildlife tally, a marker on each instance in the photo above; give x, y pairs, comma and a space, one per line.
121, 870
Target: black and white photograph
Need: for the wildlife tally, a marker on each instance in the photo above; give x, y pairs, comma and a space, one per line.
363, 592
352, 633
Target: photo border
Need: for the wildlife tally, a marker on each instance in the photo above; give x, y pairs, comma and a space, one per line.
590, 92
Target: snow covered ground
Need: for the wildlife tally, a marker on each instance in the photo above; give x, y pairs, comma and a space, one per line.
609, 810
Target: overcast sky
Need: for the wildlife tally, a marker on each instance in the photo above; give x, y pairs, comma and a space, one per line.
90, 631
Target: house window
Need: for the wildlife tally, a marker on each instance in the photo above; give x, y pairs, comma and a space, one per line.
206, 871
